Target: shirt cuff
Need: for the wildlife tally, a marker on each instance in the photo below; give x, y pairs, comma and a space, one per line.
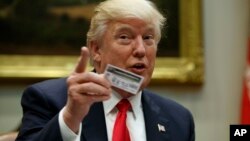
66, 132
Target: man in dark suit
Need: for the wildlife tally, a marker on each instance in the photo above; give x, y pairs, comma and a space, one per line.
84, 106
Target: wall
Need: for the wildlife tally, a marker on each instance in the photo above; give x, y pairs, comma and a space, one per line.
10, 109
216, 104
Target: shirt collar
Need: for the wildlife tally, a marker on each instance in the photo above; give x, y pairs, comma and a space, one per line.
135, 101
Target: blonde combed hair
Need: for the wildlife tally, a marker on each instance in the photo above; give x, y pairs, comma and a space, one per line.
112, 10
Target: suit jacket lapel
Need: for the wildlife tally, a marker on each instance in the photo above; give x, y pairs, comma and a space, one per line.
156, 125
94, 124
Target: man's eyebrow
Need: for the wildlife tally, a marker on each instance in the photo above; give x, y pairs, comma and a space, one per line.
123, 28
150, 29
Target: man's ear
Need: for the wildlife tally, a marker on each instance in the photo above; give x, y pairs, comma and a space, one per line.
94, 51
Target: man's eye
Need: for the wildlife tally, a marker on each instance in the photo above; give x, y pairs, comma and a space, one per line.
124, 39
147, 37
124, 36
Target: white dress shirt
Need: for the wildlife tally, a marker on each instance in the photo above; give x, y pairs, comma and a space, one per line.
135, 119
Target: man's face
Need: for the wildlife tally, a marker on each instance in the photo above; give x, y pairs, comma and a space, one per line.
130, 45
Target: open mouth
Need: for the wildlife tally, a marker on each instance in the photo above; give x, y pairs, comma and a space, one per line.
138, 68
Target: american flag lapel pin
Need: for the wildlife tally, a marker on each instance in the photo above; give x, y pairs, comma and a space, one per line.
161, 128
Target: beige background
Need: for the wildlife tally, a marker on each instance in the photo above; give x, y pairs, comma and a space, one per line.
216, 104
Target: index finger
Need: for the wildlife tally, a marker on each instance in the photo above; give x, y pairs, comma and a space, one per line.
83, 60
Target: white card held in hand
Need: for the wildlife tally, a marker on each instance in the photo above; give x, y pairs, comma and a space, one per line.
123, 79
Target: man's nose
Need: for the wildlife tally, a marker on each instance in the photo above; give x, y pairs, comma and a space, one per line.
139, 48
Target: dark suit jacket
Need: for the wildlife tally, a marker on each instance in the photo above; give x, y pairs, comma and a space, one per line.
42, 102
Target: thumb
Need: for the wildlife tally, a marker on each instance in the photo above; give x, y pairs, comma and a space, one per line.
82, 61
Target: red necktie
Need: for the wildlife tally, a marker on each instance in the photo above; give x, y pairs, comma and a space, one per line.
120, 131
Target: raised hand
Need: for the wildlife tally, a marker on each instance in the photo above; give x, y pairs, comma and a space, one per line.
84, 88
